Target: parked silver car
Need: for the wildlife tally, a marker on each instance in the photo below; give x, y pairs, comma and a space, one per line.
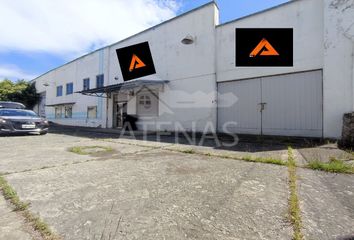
14, 105
21, 121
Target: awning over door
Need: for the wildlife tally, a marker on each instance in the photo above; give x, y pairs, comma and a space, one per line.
60, 104
107, 90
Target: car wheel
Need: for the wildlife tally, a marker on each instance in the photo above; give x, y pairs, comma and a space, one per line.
43, 133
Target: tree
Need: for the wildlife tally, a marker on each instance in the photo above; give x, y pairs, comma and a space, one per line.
20, 91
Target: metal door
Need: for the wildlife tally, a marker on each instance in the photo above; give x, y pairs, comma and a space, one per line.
243, 116
288, 105
293, 104
120, 113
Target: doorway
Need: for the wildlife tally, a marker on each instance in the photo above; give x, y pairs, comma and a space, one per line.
41, 105
120, 113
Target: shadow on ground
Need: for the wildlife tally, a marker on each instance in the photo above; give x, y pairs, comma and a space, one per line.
242, 143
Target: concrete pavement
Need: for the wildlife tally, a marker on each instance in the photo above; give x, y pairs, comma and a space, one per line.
151, 192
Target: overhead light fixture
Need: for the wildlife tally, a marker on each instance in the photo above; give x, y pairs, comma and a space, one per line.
188, 40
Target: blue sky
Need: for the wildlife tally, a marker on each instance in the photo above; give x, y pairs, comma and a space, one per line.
232, 9
40, 35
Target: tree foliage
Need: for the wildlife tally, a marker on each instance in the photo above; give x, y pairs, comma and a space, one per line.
20, 91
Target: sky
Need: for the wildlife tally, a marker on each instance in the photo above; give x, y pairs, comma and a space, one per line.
39, 35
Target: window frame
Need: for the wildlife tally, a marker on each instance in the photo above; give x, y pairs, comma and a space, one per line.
69, 88
86, 84
66, 108
151, 110
145, 100
100, 81
56, 111
88, 111
59, 93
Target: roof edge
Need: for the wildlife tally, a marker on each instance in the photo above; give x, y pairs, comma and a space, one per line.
134, 35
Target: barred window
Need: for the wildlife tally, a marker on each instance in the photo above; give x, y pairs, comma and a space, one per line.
58, 111
68, 111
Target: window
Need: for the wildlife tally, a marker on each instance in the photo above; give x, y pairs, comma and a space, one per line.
59, 91
86, 84
147, 104
145, 101
69, 88
57, 112
99, 81
68, 111
92, 112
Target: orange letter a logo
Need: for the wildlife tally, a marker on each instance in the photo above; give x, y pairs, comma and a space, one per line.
136, 63
264, 48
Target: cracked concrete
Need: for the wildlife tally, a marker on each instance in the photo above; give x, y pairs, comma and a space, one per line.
150, 192
12, 225
323, 153
327, 204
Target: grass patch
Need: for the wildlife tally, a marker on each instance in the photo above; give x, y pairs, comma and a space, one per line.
39, 225
188, 151
263, 160
11, 195
334, 165
244, 158
250, 159
19, 206
86, 150
350, 151
294, 207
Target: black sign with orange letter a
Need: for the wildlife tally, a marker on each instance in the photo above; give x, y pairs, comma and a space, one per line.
264, 47
136, 61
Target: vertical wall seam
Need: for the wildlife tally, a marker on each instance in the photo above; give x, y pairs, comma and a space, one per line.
101, 71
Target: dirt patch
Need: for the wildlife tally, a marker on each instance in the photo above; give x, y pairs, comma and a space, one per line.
91, 150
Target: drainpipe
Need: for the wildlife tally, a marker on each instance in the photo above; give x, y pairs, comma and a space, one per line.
107, 100
216, 22
353, 76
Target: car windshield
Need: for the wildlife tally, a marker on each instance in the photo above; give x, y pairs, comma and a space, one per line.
17, 113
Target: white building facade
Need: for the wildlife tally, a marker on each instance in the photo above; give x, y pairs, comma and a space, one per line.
198, 87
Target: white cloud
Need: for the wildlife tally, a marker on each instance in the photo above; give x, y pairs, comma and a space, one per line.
12, 72
71, 27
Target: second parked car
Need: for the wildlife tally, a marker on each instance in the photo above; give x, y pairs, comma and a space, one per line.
14, 105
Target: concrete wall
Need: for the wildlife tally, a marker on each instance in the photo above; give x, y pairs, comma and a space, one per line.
304, 16
338, 82
88, 66
189, 68
323, 39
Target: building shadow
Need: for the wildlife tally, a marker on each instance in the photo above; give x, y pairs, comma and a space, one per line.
245, 143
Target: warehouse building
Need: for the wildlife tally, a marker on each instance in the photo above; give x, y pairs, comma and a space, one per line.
288, 70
